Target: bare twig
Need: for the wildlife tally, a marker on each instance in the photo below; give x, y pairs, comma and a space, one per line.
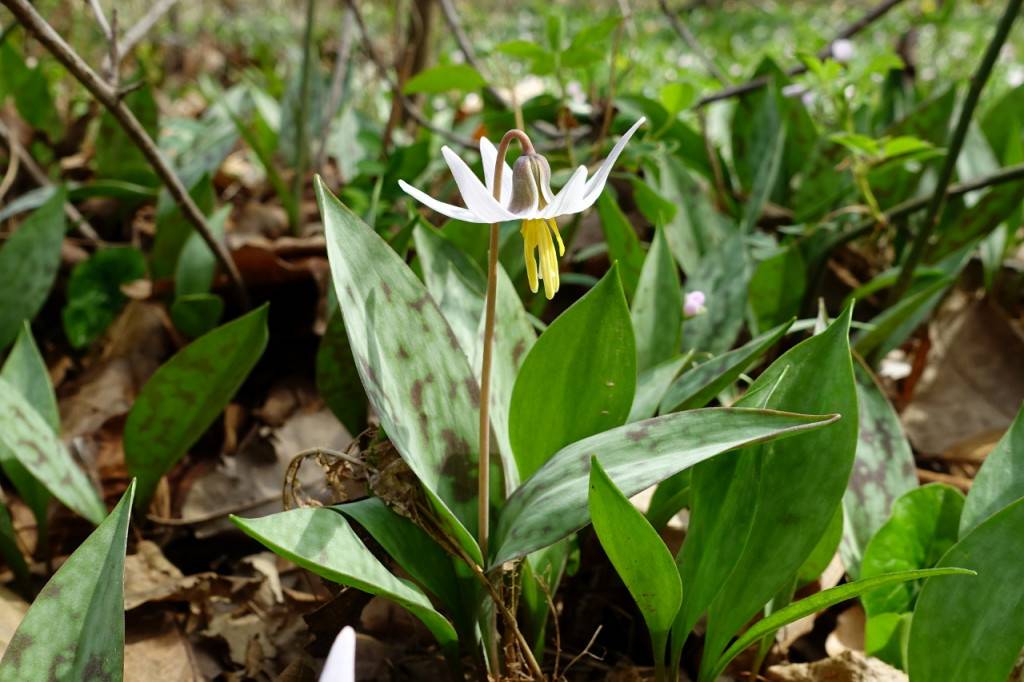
13, 162
139, 30
938, 198
41, 179
339, 82
110, 98
848, 31
691, 41
407, 104
451, 17
101, 18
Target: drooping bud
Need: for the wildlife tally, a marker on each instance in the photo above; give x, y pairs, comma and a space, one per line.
531, 175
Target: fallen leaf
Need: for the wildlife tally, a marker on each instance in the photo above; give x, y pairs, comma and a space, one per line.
850, 666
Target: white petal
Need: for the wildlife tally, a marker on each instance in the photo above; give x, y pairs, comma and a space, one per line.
474, 194
341, 661
456, 212
570, 194
596, 183
488, 155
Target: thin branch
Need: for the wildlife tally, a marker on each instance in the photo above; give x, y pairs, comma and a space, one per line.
110, 98
13, 163
101, 19
139, 30
41, 179
691, 41
848, 31
451, 17
407, 104
938, 199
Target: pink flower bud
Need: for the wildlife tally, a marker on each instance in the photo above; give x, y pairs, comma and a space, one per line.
694, 304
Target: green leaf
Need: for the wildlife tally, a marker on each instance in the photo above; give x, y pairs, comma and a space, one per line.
814, 376
415, 551
756, 129
776, 289
669, 497
891, 319
321, 540
337, 378
1000, 481
699, 386
29, 260
445, 78
117, 156
638, 554
523, 49
552, 503
676, 97
922, 528
623, 244
94, 292
197, 314
75, 628
412, 367
820, 602
173, 229
196, 262
766, 177
972, 629
25, 433
695, 228
577, 380
722, 275
186, 394
26, 371
883, 469
653, 383
821, 555
30, 90
997, 204
657, 307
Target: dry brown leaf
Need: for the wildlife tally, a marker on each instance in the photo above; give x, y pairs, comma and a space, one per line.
850, 666
158, 652
12, 610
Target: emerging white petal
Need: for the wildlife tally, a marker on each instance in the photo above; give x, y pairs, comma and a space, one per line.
563, 203
488, 155
341, 661
448, 210
596, 183
474, 194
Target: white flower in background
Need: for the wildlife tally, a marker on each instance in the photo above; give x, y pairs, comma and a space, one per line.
843, 50
341, 661
1015, 75
693, 305
525, 195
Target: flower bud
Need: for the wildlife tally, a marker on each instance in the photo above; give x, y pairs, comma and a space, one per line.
694, 304
530, 175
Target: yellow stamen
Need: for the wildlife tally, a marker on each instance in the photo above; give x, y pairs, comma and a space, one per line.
537, 235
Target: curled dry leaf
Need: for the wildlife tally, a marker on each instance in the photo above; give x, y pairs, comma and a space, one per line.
850, 666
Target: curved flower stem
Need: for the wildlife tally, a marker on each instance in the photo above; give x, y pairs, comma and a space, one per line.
484, 477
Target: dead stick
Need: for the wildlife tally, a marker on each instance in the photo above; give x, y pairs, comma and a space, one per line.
109, 98
451, 17
691, 41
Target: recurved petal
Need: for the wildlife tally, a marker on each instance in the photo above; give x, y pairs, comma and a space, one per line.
488, 155
456, 212
596, 183
474, 194
341, 661
571, 194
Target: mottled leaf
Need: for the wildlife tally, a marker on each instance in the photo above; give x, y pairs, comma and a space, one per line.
321, 540
722, 275
552, 503
652, 385
776, 289
75, 628
94, 292
29, 261
185, 396
1000, 481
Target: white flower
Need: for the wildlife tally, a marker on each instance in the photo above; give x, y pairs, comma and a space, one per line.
525, 195
341, 661
843, 50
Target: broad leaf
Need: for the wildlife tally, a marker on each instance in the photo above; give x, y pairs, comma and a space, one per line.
75, 628
776, 289
186, 394
638, 554
883, 469
879, 336
972, 629
921, 529
25, 433
553, 502
722, 275
698, 386
652, 385
1000, 481
657, 310
799, 483
94, 292
623, 244
577, 380
445, 78
29, 261
26, 371
337, 378
196, 262
412, 367
321, 540
820, 602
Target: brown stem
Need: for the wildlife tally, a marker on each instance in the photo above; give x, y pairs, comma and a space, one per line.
451, 17
691, 41
110, 98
